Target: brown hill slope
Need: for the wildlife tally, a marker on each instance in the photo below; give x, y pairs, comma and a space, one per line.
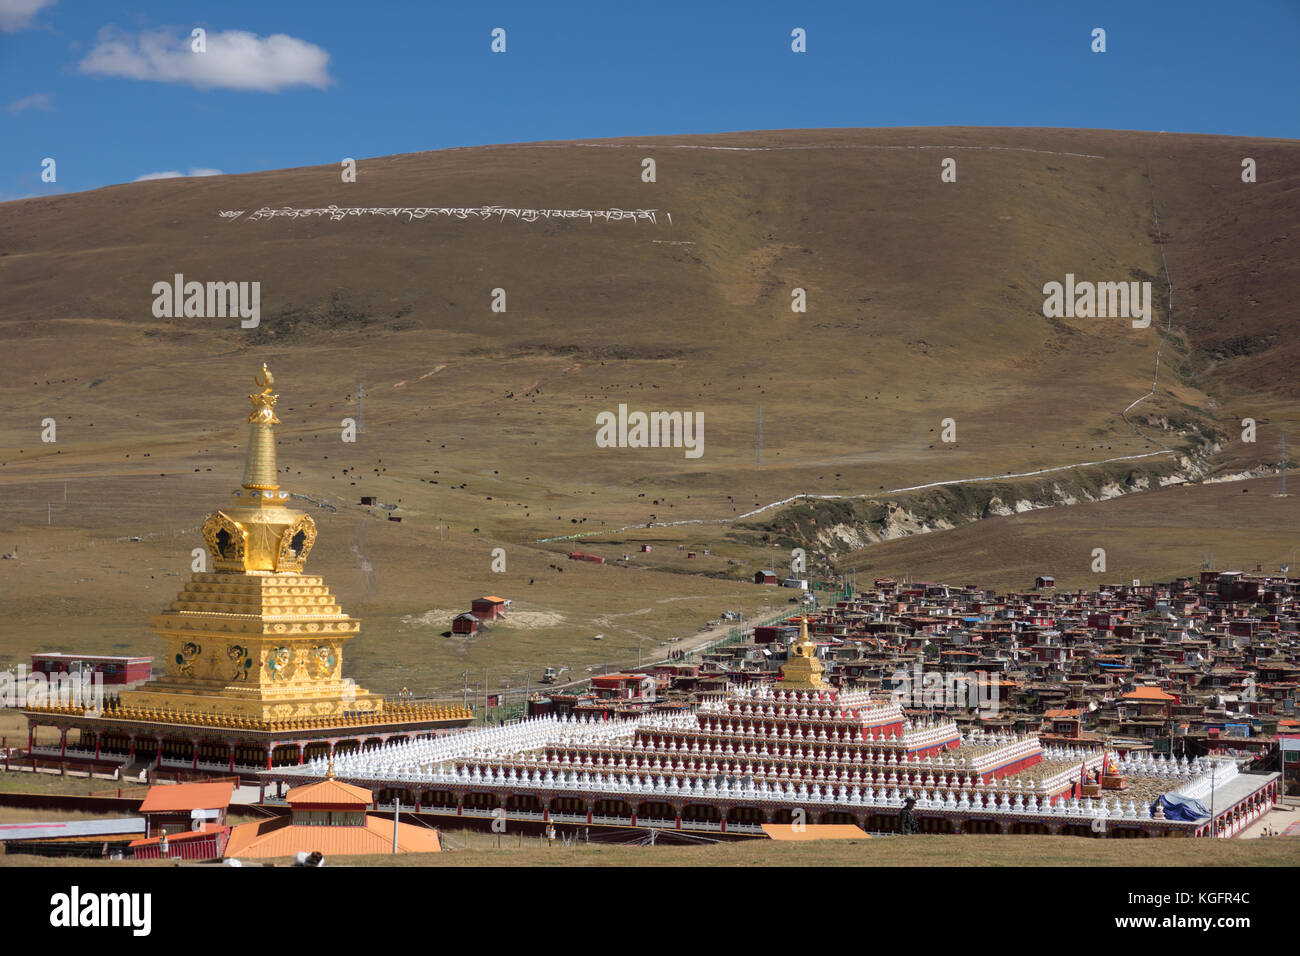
924, 303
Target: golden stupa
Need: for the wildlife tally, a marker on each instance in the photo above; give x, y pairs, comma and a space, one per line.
803, 668
256, 638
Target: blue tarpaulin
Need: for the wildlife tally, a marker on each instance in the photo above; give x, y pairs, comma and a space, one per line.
1181, 808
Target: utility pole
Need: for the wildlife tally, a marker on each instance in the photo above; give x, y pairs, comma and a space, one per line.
758, 440
397, 808
361, 409
1281, 468
1213, 763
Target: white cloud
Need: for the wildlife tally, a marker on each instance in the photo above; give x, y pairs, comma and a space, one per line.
17, 15
235, 60
177, 174
37, 101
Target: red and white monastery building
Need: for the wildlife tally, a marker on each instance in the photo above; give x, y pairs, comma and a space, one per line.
768, 755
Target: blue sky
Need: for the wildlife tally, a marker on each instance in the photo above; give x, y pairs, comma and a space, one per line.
112, 92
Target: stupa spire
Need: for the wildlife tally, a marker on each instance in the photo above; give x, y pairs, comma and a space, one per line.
803, 669
261, 473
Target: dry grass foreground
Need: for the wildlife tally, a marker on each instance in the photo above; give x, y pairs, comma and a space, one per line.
938, 851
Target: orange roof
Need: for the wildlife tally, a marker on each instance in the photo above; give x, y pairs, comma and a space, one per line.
815, 831
1148, 693
275, 838
1064, 712
175, 837
330, 792
494, 599
183, 797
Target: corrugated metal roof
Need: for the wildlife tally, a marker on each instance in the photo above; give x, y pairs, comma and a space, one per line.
46, 830
177, 797
207, 830
275, 838
330, 792
815, 831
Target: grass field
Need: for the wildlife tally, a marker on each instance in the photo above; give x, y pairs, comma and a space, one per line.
937, 851
27, 782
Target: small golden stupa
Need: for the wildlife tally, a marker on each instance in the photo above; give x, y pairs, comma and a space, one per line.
803, 668
256, 638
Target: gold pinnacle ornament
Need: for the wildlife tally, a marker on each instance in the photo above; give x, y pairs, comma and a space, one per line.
261, 472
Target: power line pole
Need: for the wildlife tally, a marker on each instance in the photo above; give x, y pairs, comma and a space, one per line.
1281, 468
1213, 762
758, 440
397, 808
361, 408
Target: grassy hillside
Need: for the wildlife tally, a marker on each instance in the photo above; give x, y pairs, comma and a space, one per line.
924, 303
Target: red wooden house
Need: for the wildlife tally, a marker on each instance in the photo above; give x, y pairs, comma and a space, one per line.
488, 608
114, 670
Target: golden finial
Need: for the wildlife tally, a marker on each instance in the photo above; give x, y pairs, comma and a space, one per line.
264, 402
260, 470
330, 772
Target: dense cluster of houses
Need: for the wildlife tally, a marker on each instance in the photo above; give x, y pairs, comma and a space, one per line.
1195, 667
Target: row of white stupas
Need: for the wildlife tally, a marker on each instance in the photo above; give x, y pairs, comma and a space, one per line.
568, 753
1148, 765
824, 777
486, 742
633, 744
638, 758
1214, 773
874, 752
844, 732
842, 709
622, 757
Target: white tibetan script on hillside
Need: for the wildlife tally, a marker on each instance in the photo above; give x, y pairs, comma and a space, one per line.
479, 213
